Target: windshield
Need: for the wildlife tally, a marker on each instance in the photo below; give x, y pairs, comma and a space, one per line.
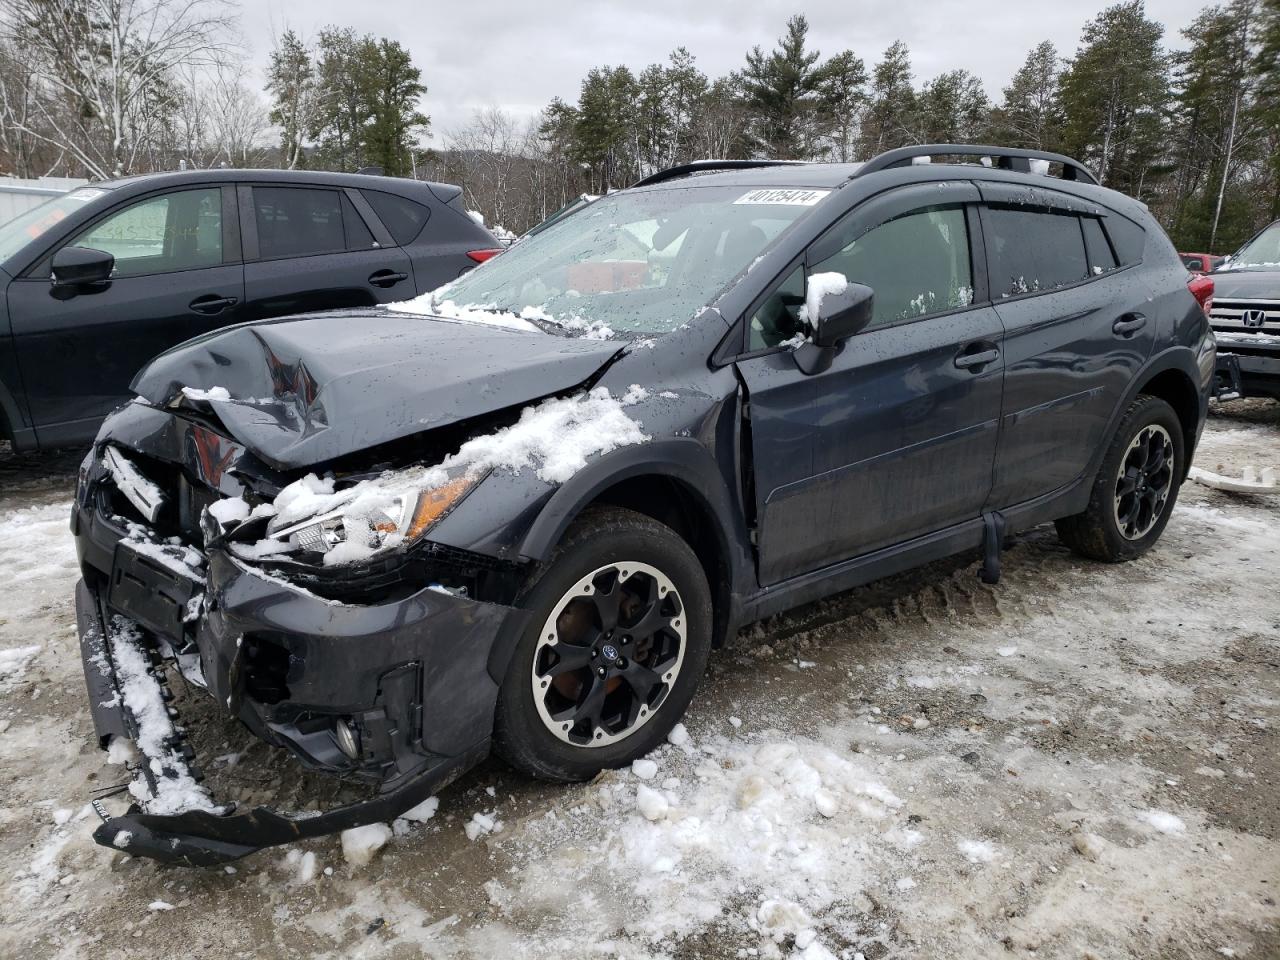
634, 263
1262, 251
28, 226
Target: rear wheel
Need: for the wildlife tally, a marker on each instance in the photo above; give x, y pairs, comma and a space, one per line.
619, 634
1136, 486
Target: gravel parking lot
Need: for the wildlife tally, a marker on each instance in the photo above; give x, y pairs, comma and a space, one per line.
1081, 761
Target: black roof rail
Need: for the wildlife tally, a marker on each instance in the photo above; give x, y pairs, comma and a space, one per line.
1005, 158
700, 166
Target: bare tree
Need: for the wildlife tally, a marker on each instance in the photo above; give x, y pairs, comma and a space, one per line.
102, 69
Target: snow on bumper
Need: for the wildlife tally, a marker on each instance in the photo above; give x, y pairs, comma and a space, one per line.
414, 676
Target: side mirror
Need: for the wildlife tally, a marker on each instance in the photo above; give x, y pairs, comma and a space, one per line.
841, 315
843, 309
81, 266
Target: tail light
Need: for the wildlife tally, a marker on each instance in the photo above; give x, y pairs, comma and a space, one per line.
1202, 289
480, 256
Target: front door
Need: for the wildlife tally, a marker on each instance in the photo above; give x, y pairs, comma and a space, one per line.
897, 438
176, 276
310, 248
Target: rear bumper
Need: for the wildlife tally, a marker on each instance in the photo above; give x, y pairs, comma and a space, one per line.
411, 676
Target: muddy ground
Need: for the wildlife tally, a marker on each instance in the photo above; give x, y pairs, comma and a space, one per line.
1081, 761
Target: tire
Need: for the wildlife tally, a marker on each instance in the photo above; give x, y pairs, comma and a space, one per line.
1134, 493
553, 685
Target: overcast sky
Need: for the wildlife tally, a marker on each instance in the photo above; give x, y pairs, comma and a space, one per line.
518, 54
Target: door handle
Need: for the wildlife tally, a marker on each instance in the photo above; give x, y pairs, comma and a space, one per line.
212, 304
1129, 324
387, 278
971, 359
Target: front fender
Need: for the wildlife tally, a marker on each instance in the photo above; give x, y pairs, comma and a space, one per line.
682, 459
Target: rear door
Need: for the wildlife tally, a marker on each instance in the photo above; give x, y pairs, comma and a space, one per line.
177, 275
316, 248
897, 438
1077, 328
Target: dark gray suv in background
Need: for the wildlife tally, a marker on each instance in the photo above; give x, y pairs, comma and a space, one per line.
95, 283
521, 511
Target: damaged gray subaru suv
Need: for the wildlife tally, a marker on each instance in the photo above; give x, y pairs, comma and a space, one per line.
519, 512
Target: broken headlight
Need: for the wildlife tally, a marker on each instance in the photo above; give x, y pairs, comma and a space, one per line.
358, 523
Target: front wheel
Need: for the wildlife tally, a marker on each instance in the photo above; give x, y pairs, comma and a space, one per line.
1136, 487
619, 634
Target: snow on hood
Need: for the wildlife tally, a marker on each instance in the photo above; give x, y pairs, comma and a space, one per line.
307, 389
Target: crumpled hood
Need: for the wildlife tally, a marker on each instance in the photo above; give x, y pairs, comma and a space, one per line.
308, 389
1243, 284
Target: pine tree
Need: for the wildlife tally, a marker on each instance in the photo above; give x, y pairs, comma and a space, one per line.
845, 97
291, 83
783, 92
395, 87
953, 108
605, 137
368, 93
1114, 93
1031, 113
1216, 125
891, 115
1266, 71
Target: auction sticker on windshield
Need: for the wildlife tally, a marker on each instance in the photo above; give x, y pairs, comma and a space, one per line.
794, 198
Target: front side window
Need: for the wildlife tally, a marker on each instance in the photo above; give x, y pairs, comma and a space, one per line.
637, 262
1032, 250
917, 264
297, 222
162, 234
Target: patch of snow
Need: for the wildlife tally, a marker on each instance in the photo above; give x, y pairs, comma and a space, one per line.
826, 802
651, 803
977, 851
159, 905
361, 844
430, 305
231, 510
818, 288
644, 768
175, 789
213, 393
423, 811
679, 735
1162, 821
14, 663
480, 825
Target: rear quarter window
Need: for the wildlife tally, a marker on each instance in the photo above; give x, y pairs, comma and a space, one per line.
1101, 257
1128, 239
403, 218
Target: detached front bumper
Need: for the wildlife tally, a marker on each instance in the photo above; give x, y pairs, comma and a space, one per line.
416, 679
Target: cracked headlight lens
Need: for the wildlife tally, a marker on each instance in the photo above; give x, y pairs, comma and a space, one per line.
371, 522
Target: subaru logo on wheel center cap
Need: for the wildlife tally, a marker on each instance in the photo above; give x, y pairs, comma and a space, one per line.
609, 651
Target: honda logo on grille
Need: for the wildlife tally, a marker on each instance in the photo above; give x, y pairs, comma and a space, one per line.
1254, 318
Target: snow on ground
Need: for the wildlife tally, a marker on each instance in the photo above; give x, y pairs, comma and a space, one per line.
1080, 761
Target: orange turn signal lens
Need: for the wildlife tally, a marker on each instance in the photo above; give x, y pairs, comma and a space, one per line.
433, 504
